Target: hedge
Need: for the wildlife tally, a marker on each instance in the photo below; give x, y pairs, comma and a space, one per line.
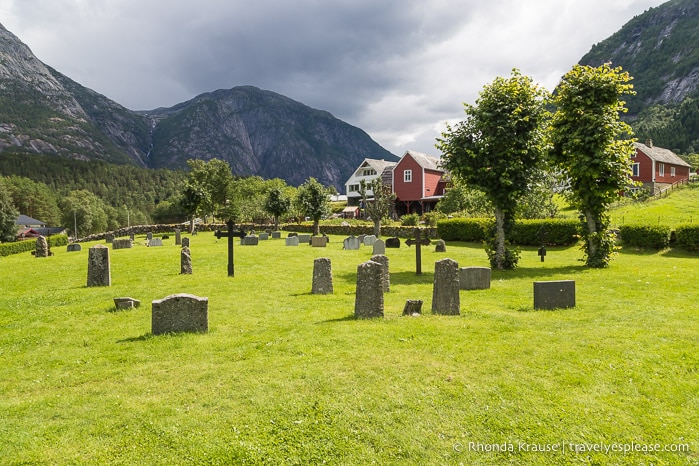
30, 245
464, 229
687, 236
525, 233
645, 236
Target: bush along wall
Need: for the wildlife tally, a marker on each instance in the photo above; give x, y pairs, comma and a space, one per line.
30, 245
555, 232
687, 236
645, 236
465, 229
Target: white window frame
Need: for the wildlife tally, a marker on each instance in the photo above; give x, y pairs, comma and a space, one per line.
636, 169
407, 176
672, 172
661, 169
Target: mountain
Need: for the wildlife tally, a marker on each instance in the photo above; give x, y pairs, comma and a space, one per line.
257, 132
659, 49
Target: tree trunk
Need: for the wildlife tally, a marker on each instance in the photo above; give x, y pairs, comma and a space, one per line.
377, 228
499, 239
316, 227
191, 225
276, 223
591, 229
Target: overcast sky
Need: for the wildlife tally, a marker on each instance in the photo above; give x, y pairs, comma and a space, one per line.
398, 69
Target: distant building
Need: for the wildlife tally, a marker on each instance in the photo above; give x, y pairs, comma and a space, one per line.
28, 228
657, 168
369, 170
418, 183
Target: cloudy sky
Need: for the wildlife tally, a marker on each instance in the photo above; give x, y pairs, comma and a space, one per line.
398, 69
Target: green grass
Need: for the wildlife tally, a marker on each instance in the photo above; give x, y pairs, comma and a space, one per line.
286, 377
680, 206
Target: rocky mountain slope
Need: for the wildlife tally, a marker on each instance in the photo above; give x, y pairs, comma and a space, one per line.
257, 132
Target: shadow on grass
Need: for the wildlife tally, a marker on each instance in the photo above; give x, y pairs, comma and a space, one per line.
347, 318
144, 337
537, 272
397, 278
558, 309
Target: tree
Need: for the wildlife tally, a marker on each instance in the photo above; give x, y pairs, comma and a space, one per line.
207, 186
497, 150
314, 201
85, 210
34, 199
585, 135
8, 215
192, 201
380, 206
277, 204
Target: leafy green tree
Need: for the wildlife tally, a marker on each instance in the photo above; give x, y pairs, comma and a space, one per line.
314, 201
497, 150
213, 180
462, 200
277, 204
192, 202
587, 145
85, 210
380, 206
34, 199
8, 215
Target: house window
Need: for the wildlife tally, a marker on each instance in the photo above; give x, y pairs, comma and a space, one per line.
369, 172
672, 171
354, 188
407, 176
661, 169
636, 169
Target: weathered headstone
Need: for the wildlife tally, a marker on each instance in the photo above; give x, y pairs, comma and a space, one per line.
441, 246
379, 247
474, 278
368, 301
121, 243
155, 242
322, 276
559, 294
319, 241
109, 238
180, 313
393, 242
185, 261
178, 237
276, 235
445, 292
304, 239
413, 307
185, 242
126, 303
369, 240
132, 237
250, 240
292, 234
74, 247
385, 272
361, 238
264, 236
351, 243
98, 267
292, 241
42, 247
149, 236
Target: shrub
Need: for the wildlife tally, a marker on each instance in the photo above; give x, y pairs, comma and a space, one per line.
18, 247
464, 229
688, 236
645, 236
431, 218
410, 220
556, 232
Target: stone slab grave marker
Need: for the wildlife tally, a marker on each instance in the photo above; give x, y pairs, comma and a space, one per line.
250, 240
319, 241
276, 235
474, 278
557, 294
149, 236
292, 241
132, 237
369, 240
351, 243
304, 239
361, 238
180, 313
155, 242
126, 303
121, 243
413, 307
185, 242
41, 249
385, 272
441, 246
264, 236
109, 238
98, 267
379, 247
230, 234
393, 242
418, 242
368, 301
322, 276
185, 261
445, 292
178, 237
74, 247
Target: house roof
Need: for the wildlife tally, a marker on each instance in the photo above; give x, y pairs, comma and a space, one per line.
425, 161
26, 220
378, 165
660, 155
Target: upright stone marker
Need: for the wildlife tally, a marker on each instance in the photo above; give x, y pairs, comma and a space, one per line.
229, 235
393, 242
178, 237
149, 236
132, 236
379, 247
249, 240
180, 313
304, 239
351, 243
474, 278
42, 247
185, 261
121, 243
322, 276
155, 242
554, 294
74, 247
368, 301
98, 267
445, 293
369, 240
292, 241
413, 307
441, 246
319, 241
276, 235
109, 238
264, 236
385, 272
185, 242
126, 303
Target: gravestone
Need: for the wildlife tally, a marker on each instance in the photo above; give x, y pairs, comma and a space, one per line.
126, 303
413, 307
185, 242
292, 241
264, 236
149, 236
121, 243
351, 243
73, 247
304, 239
361, 238
368, 301
42, 247
385, 272
445, 292
178, 237
132, 237
276, 235
250, 240
441, 246
185, 261
393, 242
180, 313
474, 278
98, 268
292, 234
229, 234
109, 238
322, 276
319, 241
559, 294
379, 247
369, 240
155, 242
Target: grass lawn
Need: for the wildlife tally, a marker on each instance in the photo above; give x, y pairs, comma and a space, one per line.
287, 377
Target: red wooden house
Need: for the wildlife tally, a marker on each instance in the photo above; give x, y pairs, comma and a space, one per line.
658, 168
418, 183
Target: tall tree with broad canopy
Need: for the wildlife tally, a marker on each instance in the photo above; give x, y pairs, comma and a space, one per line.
277, 204
8, 215
586, 136
207, 187
498, 149
313, 200
380, 206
